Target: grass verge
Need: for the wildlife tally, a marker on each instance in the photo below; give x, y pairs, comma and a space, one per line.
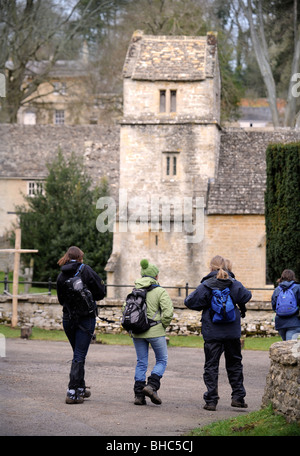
251, 343
21, 287
255, 424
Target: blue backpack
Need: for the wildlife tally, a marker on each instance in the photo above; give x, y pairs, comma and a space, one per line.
286, 304
222, 306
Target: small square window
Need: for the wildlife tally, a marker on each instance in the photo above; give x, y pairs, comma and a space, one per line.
167, 101
170, 165
35, 188
59, 116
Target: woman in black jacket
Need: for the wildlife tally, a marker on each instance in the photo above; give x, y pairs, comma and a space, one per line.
79, 325
219, 337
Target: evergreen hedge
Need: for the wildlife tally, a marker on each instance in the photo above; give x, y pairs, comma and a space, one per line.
282, 209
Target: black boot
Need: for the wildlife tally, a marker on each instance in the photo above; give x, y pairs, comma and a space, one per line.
75, 383
151, 389
82, 386
139, 396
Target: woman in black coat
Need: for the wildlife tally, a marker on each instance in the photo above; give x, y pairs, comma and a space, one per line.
79, 325
219, 337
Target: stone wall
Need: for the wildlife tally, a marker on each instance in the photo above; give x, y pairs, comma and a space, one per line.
45, 312
283, 381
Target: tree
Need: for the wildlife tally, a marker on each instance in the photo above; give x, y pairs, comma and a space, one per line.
168, 17
64, 215
34, 34
282, 209
262, 15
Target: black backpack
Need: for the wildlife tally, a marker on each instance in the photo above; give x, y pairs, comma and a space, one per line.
80, 300
134, 318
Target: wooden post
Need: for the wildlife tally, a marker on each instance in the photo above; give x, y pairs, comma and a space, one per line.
14, 320
17, 251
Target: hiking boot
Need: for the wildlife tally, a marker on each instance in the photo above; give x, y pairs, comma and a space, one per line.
150, 392
241, 403
83, 392
73, 397
210, 407
140, 400
139, 396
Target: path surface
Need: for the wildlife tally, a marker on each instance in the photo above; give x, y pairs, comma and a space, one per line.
34, 377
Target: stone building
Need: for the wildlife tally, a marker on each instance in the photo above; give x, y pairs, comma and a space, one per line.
169, 144
68, 95
172, 147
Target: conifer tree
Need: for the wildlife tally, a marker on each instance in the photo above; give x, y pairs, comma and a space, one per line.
282, 209
64, 215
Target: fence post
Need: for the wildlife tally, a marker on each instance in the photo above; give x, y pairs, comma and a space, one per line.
6, 283
186, 290
49, 286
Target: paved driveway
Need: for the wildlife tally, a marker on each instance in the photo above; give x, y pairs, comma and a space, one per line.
34, 377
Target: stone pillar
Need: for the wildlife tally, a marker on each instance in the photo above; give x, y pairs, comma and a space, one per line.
283, 380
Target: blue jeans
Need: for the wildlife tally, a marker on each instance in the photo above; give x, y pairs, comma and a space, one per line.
159, 345
80, 336
289, 333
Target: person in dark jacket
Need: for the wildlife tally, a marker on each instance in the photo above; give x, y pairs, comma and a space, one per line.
79, 327
221, 337
289, 326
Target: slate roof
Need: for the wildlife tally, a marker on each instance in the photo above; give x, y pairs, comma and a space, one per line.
170, 58
241, 178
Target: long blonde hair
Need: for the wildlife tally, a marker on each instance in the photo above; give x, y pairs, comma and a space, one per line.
218, 263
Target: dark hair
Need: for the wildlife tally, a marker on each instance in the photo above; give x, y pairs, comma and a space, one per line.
287, 275
73, 253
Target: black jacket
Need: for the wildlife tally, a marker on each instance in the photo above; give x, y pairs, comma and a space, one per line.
91, 279
200, 299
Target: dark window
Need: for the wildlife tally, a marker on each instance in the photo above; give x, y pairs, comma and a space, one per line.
162, 101
174, 166
168, 166
173, 101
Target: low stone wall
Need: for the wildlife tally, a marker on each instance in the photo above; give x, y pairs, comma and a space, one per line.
283, 381
45, 312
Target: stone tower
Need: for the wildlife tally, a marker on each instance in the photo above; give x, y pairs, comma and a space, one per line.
169, 147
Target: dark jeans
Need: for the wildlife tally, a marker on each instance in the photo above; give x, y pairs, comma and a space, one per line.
80, 336
233, 362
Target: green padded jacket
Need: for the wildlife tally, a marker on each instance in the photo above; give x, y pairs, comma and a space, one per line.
158, 301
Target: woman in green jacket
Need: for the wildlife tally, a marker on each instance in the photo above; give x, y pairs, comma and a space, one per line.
159, 308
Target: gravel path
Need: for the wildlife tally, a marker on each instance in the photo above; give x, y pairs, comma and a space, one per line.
34, 377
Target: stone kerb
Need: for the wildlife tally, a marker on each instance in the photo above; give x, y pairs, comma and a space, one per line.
283, 380
45, 312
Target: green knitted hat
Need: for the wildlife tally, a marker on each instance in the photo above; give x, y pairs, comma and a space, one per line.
148, 269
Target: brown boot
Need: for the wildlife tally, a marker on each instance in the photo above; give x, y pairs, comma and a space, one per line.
150, 392
140, 400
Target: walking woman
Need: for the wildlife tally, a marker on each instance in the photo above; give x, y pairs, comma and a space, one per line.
79, 325
223, 336
287, 323
159, 308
